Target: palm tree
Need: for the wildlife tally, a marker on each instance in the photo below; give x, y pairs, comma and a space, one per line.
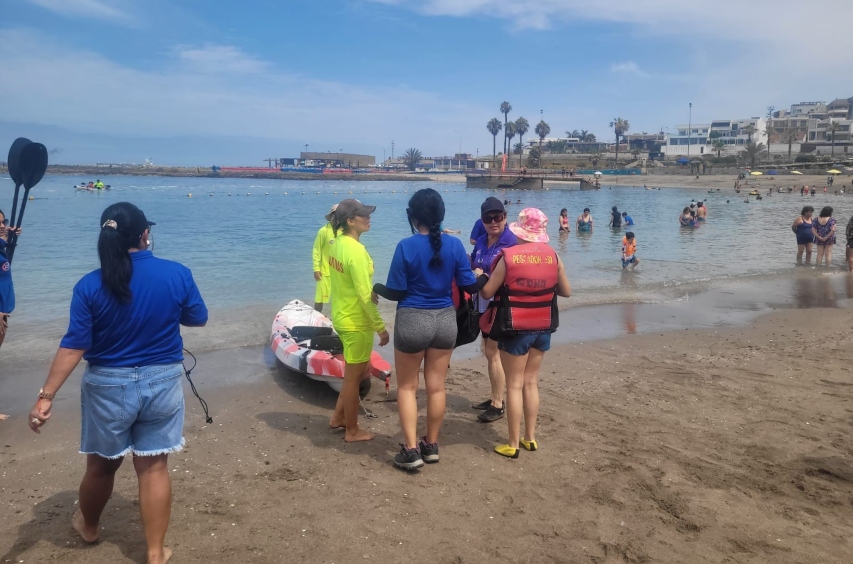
518, 149
790, 137
412, 157
542, 130
719, 145
582, 134
753, 152
506, 108
573, 133
749, 130
590, 138
494, 126
521, 127
620, 127
509, 133
533, 157
833, 127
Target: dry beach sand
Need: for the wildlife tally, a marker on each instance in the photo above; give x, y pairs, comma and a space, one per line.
730, 445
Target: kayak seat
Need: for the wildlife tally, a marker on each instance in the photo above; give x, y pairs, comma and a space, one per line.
306, 332
329, 343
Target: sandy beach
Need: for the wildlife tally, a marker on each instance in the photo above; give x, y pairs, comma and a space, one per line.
699, 445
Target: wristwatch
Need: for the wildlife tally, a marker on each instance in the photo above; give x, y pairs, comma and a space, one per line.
45, 395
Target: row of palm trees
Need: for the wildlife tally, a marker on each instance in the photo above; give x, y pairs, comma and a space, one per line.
521, 126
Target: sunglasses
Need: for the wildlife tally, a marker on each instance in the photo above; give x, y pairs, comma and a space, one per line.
494, 218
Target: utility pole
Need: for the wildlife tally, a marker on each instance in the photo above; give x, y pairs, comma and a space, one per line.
392, 150
689, 127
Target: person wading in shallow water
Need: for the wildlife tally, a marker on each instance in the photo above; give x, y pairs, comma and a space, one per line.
320, 259
125, 321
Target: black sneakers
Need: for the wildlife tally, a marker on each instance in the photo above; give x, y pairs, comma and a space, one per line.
482, 406
429, 451
491, 414
410, 458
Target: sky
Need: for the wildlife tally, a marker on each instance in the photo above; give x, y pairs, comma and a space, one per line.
215, 82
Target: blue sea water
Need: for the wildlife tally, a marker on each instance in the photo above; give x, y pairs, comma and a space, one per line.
248, 241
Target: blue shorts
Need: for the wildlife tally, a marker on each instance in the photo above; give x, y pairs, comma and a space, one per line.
136, 411
521, 344
625, 262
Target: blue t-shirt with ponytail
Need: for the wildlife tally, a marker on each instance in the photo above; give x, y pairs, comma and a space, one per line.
425, 287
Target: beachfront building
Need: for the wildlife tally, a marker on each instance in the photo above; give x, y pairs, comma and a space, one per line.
336, 160
459, 161
830, 137
697, 139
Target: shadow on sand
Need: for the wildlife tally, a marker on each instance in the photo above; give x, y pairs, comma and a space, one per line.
51, 522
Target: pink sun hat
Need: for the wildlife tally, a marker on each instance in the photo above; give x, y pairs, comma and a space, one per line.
532, 226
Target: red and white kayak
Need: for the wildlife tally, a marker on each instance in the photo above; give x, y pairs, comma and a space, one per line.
304, 340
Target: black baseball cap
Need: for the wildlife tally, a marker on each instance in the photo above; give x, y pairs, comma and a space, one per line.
492, 204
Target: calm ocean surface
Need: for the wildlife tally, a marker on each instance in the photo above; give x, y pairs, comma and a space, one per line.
249, 245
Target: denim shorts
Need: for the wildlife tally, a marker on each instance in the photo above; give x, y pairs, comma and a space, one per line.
521, 344
132, 410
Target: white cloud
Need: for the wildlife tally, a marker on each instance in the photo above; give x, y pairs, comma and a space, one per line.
216, 90
629, 67
786, 26
220, 58
83, 8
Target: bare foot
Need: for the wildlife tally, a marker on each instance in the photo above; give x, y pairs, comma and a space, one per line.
3, 417
88, 535
336, 424
167, 555
359, 435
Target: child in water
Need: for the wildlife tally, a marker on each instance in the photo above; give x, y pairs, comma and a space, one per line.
629, 247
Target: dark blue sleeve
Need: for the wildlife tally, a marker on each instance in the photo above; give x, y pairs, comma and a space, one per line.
478, 231
193, 310
464, 275
397, 277
79, 334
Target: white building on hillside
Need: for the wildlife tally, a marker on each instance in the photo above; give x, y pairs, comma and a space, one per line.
698, 139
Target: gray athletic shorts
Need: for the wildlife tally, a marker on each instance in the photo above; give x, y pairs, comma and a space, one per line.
416, 330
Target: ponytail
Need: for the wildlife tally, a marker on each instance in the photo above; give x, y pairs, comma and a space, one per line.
435, 241
426, 208
122, 226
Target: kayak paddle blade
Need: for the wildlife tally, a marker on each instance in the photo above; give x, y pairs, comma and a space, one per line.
33, 164
13, 160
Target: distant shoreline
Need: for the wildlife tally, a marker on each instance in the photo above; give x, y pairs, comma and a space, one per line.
206, 172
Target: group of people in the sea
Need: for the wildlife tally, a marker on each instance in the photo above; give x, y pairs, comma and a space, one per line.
820, 232
694, 215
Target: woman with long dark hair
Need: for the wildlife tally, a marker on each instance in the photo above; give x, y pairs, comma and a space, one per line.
125, 321
420, 280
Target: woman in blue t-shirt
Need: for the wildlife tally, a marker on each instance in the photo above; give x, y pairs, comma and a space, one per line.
420, 280
125, 321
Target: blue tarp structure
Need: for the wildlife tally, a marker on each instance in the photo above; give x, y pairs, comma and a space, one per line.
772, 172
683, 160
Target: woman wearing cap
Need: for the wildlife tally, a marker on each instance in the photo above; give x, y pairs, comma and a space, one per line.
354, 313
488, 246
525, 282
584, 222
125, 321
320, 258
420, 280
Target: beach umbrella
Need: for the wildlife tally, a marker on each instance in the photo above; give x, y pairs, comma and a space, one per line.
796, 172
683, 160
772, 172
597, 173
756, 173
833, 171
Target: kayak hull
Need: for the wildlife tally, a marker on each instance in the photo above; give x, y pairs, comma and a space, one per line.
296, 352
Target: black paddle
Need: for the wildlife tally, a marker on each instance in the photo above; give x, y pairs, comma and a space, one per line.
31, 164
15, 170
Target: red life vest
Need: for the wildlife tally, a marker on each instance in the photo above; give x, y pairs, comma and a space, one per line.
528, 299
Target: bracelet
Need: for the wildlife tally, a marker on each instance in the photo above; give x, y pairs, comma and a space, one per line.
45, 395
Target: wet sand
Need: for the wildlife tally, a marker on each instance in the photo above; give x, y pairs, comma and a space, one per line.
708, 444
